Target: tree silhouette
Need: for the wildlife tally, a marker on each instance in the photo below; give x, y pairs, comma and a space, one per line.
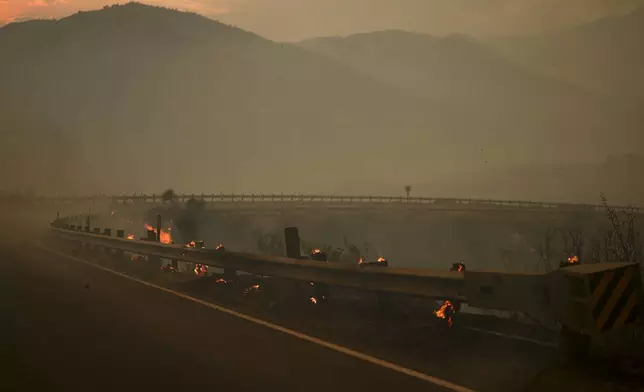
168, 196
407, 189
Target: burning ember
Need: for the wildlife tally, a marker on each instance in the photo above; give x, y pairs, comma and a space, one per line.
382, 261
573, 260
445, 312
220, 247
169, 268
360, 261
314, 300
130, 236
201, 270
166, 236
221, 281
251, 289
316, 251
460, 267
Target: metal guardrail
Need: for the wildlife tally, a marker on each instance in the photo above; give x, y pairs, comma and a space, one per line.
566, 295
332, 199
422, 283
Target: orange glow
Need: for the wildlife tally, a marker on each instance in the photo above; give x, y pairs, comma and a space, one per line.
166, 237
252, 288
221, 281
460, 268
381, 259
573, 260
219, 247
191, 244
201, 270
130, 236
360, 261
445, 312
314, 300
316, 251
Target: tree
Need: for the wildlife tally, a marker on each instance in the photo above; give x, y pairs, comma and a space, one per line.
408, 190
168, 196
622, 243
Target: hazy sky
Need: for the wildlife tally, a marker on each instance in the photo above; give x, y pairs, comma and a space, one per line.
291, 20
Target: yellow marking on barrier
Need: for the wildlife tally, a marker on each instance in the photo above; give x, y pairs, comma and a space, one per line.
630, 304
599, 290
617, 293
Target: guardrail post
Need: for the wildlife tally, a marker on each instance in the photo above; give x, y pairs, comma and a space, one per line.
159, 224
120, 234
292, 241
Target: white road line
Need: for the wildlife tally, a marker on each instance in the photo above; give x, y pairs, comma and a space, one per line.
320, 342
513, 337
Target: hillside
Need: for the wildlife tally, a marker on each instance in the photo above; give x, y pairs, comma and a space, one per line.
134, 85
139, 98
604, 56
490, 93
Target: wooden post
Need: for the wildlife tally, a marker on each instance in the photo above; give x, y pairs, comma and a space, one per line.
159, 223
292, 240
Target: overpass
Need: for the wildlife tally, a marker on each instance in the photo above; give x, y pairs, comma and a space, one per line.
261, 201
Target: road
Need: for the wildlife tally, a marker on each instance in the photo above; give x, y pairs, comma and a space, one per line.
69, 326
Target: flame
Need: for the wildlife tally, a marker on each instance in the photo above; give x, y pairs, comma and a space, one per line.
460, 268
191, 244
200, 269
219, 247
573, 260
166, 237
221, 280
445, 312
360, 261
314, 300
252, 288
381, 259
130, 236
316, 251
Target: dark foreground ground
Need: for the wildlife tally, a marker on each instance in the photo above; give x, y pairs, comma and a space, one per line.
70, 326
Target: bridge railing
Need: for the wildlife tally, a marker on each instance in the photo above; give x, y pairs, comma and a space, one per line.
333, 199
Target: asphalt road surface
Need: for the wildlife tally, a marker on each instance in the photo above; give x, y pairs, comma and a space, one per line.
69, 326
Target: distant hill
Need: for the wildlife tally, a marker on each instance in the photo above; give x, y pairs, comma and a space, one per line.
139, 98
604, 56
152, 96
501, 102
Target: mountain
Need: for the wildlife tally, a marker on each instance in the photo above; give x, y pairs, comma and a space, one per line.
490, 94
616, 177
140, 98
154, 97
604, 56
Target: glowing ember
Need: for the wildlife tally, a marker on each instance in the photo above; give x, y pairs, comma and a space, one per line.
191, 244
445, 312
316, 251
459, 267
220, 247
169, 268
221, 281
573, 260
360, 261
201, 270
166, 237
251, 289
314, 300
130, 236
